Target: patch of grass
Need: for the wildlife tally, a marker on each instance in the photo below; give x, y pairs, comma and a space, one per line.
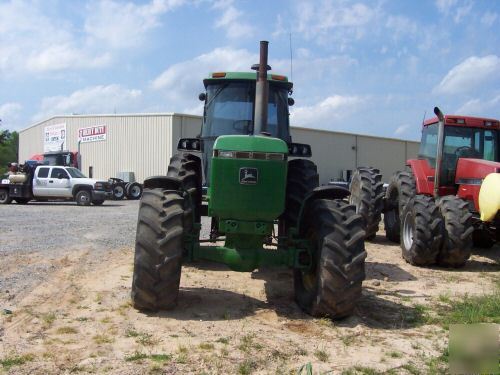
301, 351
348, 339
362, 370
325, 322
279, 355
137, 356
246, 367
182, 354
418, 316
223, 340
106, 320
247, 343
321, 354
102, 339
411, 368
66, 330
160, 357
206, 346
226, 315
49, 318
131, 333
9, 362
395, 354
146, 339
471, 310
82, 319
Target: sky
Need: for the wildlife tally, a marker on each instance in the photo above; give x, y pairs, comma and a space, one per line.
372, 67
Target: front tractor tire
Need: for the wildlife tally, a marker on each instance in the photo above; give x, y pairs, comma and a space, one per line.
302, 179
457, 244
367, 196
332, 286
158, 250
400, 190
421, 231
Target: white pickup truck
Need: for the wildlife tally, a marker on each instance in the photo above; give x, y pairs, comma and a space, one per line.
44, 182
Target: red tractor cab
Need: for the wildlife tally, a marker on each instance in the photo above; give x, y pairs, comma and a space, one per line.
62, 158
448, 200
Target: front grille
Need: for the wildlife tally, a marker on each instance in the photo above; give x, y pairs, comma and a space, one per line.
249, 155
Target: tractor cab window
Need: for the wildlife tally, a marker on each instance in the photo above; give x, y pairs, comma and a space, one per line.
428, 146
229, 110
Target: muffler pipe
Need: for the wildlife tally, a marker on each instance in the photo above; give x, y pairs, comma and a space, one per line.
439, 153
261, 92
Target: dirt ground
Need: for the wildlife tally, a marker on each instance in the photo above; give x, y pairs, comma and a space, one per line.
79, 318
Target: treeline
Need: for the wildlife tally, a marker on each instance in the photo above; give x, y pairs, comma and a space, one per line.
9, 149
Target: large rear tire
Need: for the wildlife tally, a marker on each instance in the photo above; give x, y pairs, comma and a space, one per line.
400, 190
302, 179
367, 196
5, 197
187, 168
457, 245
158, 250
332, 286
421, 231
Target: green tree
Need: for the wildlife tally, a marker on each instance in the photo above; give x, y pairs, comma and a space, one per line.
9, 149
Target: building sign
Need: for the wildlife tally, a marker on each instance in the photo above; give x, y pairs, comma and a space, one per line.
54, 137
92, 134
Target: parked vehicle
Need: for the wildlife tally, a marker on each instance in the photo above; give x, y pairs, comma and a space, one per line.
62, 158
243, 153
35, 181
450, 197
122, 189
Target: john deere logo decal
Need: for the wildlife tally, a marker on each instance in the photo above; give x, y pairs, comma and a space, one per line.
249, 176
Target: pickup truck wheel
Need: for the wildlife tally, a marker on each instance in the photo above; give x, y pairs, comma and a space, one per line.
97, 203
4, 196
83, 198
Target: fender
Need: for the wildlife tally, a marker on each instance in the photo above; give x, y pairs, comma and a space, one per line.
321, 192
76, 188
162, 182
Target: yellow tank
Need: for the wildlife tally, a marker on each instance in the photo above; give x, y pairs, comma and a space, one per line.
489, 197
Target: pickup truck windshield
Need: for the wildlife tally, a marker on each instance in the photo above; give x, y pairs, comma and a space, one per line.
75, 173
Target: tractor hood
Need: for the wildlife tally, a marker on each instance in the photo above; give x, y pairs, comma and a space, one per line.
474, 169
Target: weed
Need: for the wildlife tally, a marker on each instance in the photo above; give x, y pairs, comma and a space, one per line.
411, 368
247, 343
322, 355
226, 315
82, 319
306, 369
471, 310
362, 370
395, 354
155, 369
49, 318
160, 357
131, 333
206, 346
182, 354
325, 322
223, 340
102, 339
106, 320
136, 357
276, 354
347, 339
301, 351
66, 331
246, 367
8, 362
146, 339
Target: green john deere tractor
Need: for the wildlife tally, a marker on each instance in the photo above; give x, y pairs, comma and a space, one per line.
255, 178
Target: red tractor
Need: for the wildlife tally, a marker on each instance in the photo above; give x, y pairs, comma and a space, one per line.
63, 157
438, 223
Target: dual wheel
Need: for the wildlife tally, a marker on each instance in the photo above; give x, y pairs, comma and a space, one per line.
330, 287
131, 190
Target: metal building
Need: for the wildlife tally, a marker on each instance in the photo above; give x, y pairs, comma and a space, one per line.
144, 143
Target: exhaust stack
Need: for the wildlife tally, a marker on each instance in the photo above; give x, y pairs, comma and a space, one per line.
440, 146
261, 91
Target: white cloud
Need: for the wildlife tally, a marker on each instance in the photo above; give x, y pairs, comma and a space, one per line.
401, 26
481, 107
182, 82
231, 20
325, 113
327, 20
444, 6
96, 99
124, 24
489, 18
469, 74
31, 41
451, 7
402, 129
9, 115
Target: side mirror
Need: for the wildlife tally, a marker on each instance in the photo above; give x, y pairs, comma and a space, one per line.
291, 101
202, 96
299, 150
190, 144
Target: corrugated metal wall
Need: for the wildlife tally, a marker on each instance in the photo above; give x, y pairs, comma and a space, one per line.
144, 143
134, 143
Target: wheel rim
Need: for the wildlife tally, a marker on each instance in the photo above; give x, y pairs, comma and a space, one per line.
135, 191
408, 230
84, 198
118, 191
353, 198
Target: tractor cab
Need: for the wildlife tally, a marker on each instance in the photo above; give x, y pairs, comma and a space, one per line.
230, 107
464, 138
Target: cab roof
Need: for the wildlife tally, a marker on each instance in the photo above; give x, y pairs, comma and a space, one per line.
466, 121
246, 76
